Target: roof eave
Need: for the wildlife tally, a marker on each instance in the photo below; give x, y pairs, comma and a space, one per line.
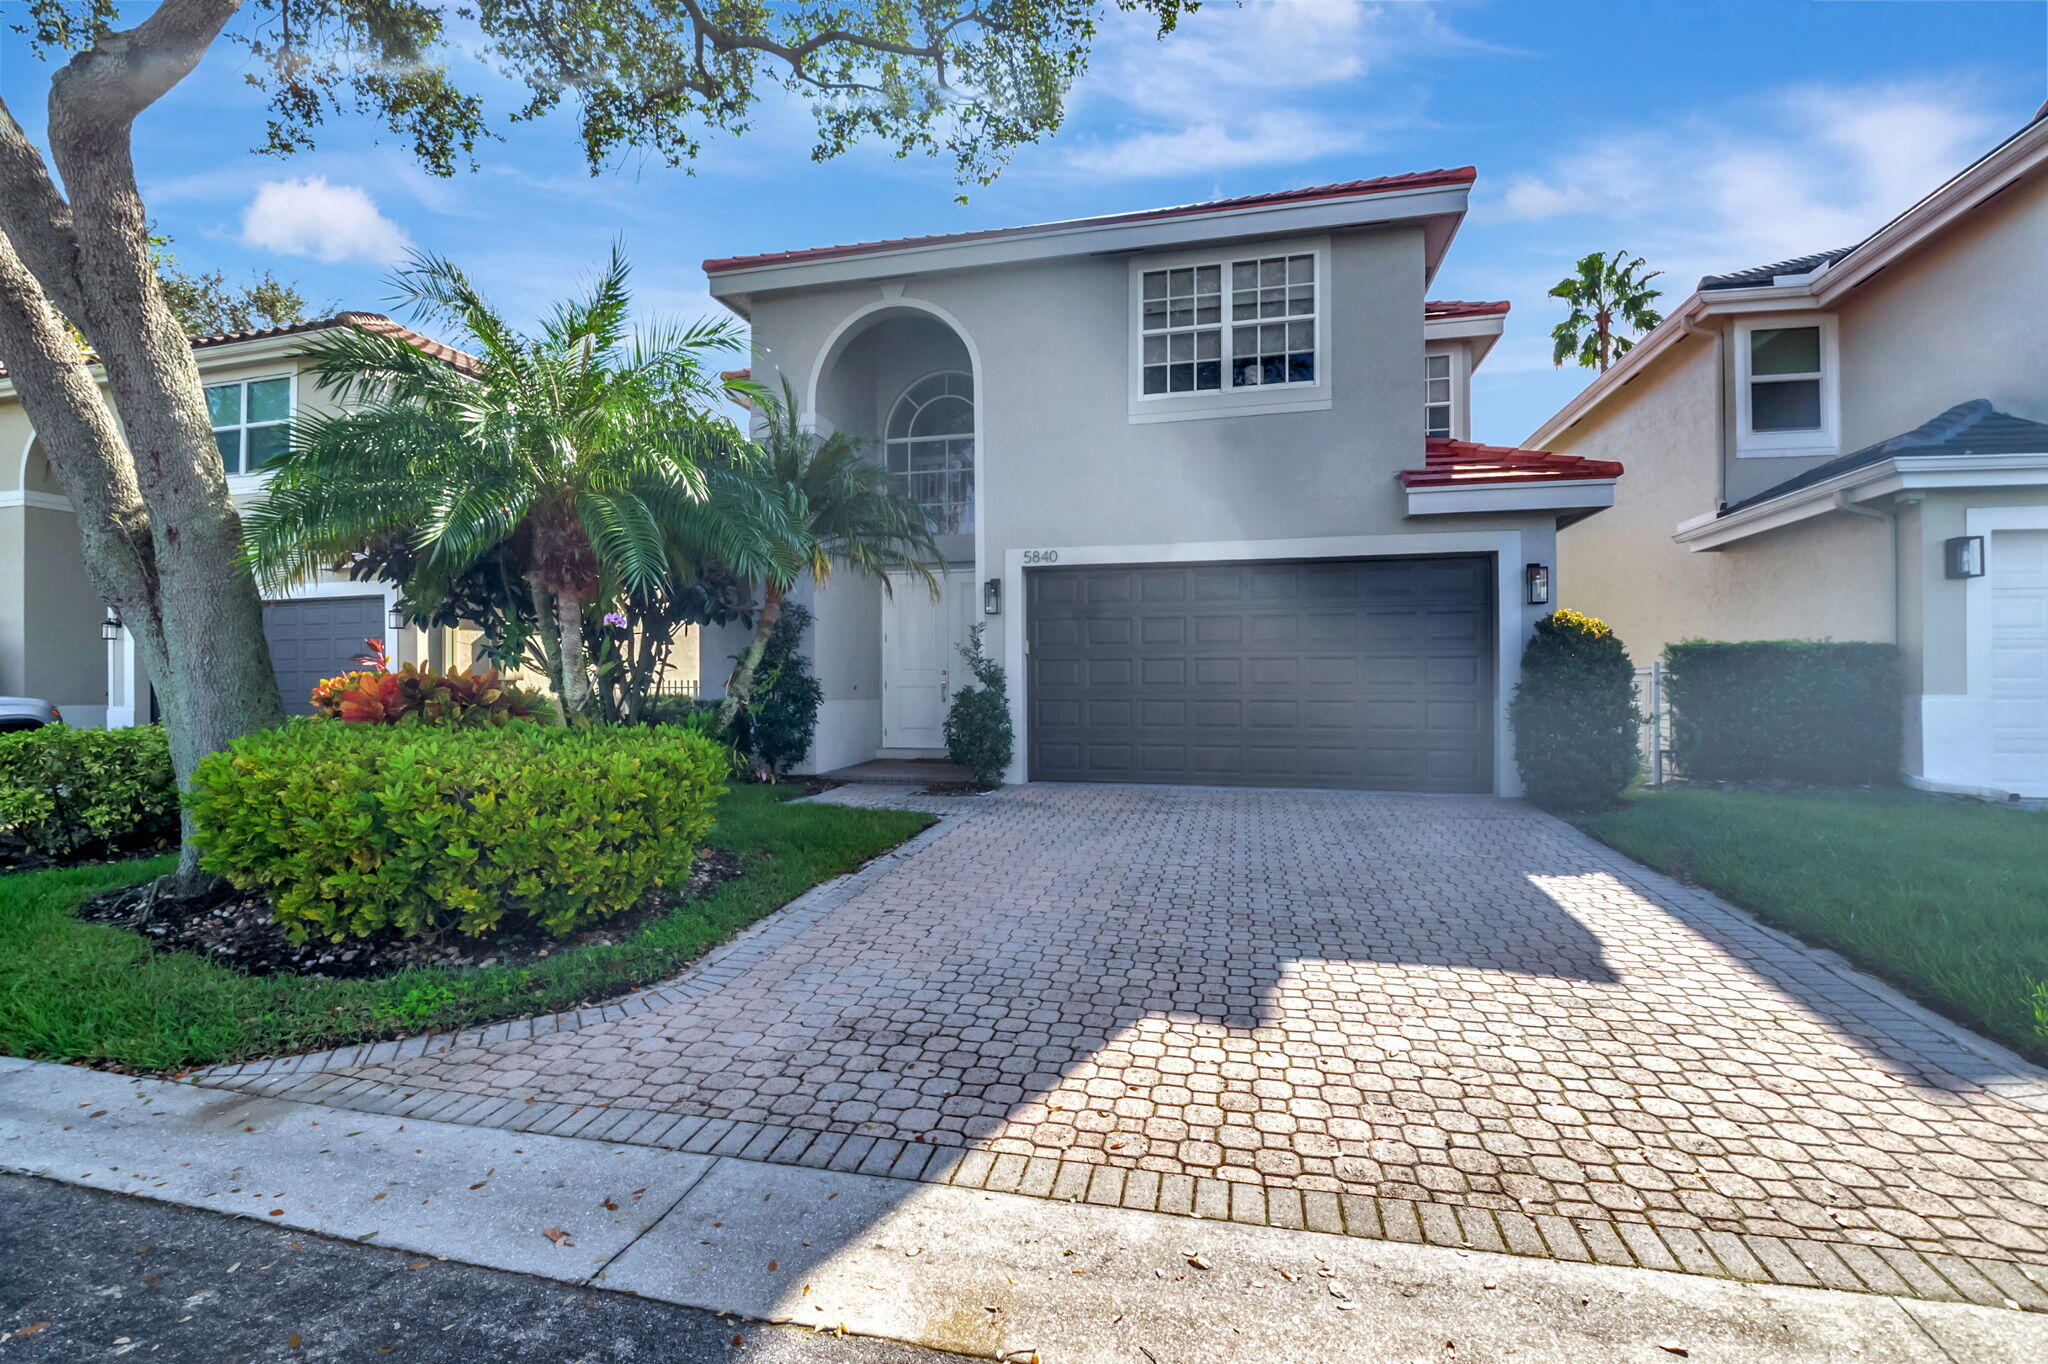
1866, 483
1437, 208
1585, 495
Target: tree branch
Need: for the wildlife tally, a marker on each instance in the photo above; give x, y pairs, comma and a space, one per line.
129, 70
78, 433
36, 217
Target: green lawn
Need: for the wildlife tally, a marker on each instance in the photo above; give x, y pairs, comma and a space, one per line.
81, 992
1946, 899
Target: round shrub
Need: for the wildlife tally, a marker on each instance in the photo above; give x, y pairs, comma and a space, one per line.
1575, 715
353, 830
71, 793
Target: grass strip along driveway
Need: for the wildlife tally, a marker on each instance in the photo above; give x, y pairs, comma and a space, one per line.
1946, 899
71, 991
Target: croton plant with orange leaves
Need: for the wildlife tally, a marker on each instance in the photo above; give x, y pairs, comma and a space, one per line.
377, 695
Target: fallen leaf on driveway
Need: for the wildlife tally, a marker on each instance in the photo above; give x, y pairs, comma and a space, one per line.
558, 1236
1678, 1350
1198, 1262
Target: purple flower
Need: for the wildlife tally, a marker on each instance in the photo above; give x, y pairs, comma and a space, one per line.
615, 619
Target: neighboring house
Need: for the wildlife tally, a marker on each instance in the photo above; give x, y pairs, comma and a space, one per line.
50, 615
1811, 441
1202, 473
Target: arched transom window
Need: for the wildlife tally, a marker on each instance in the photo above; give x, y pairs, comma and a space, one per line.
930, 447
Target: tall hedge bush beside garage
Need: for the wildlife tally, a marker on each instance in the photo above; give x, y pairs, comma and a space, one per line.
1816, 712
1575, 714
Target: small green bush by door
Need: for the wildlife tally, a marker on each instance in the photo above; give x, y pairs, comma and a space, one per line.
69, 793
355, 829
1800, 710
978, 733
784, 713
1575, 714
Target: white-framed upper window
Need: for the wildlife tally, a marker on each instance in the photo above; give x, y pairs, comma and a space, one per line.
1230, 331
252, 421
1437, 384
1786, 385
929, 447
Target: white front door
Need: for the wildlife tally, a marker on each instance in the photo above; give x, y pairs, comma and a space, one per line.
2018, 580
921, 664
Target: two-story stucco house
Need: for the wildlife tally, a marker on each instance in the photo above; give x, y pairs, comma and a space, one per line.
1853, 445
1202, 473
51, 643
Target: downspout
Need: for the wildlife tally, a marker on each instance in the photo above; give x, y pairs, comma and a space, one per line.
1890, 517
1713, 338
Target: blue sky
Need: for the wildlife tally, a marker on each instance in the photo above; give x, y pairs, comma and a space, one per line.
1703, 136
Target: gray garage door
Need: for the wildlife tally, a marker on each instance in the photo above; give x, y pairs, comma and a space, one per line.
1372, 674
314, 639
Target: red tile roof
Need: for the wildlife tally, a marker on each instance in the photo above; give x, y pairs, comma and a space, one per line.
1467, 464
1458, 307
1385, 184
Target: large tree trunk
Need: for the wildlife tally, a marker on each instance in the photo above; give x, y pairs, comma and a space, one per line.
740, 689
161, 540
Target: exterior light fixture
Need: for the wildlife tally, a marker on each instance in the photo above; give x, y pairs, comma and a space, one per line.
1536, 584
992, 597
1964, 556
110, 628
395, 617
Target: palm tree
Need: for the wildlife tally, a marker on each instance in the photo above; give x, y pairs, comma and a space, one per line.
1604, 291
832, 503
582, 452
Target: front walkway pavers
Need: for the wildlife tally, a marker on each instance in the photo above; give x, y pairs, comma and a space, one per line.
996, 1275
1451, 1021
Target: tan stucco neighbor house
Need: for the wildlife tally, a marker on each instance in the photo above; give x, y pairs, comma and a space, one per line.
1204, 474
50, 615
1852, 445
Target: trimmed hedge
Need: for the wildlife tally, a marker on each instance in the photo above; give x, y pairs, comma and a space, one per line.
357, 829
1799, 710
1574, 714
73, 793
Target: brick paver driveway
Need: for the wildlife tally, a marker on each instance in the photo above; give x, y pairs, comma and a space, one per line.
1453, 1003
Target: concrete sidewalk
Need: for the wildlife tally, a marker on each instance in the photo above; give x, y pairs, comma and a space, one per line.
988, 1274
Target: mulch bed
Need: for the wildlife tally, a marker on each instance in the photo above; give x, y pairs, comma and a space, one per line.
235, 928
953, 788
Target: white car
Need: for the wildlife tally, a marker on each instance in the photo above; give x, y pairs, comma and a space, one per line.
26, 712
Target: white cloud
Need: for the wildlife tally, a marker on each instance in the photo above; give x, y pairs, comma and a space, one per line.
1236, 87
331, 223
1796, 171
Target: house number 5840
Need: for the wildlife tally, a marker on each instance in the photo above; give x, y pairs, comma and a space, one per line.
1041, 556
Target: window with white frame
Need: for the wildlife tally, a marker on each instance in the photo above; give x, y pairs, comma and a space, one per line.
1785, 386
929, 447
1436, 394
1268, 340
252, 422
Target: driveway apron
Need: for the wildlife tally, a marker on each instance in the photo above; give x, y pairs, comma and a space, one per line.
1457, 1006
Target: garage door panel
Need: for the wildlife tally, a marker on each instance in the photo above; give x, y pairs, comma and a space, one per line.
315, 638
1353, 673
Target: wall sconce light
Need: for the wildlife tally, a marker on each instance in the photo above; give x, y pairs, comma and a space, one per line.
992, 597
1536, 579
395, 617
1965, 556
110, 628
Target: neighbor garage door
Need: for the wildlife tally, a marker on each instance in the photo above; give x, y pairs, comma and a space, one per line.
1371, 674
314, 639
